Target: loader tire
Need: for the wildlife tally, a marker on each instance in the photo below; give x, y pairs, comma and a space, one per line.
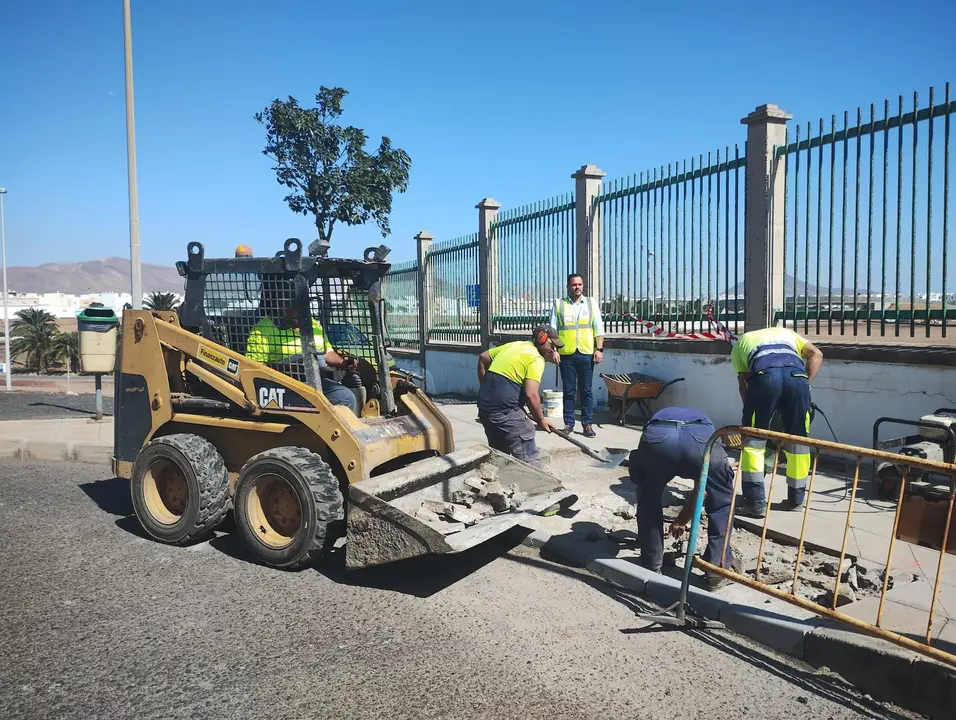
180, 488
288, 507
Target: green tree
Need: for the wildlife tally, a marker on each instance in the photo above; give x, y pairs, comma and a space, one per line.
32, 335
161, 301
326, 166
66, 350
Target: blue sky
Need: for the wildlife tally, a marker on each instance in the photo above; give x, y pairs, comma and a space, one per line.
490, 98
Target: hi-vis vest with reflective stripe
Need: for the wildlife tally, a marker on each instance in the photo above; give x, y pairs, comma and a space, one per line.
268, 343
577, 333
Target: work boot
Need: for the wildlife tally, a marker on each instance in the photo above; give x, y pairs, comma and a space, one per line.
715, 581
589, 432
752, 508
796, 497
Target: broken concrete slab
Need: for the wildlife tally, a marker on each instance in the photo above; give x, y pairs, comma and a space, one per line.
436, 506
497, 496
464, 497
461, 514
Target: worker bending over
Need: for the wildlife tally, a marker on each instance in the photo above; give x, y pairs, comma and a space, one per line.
510, 376
672, 445
774, 367
275, 341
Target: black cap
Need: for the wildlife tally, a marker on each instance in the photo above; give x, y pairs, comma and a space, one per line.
541, 334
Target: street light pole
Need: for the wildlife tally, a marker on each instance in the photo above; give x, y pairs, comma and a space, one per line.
136, 281
6, 317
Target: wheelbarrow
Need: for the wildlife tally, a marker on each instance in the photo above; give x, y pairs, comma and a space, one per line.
629, 389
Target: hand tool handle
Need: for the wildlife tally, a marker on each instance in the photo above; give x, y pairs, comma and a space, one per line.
593, 453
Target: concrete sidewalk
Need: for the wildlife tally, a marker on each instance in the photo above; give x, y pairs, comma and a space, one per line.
72, 440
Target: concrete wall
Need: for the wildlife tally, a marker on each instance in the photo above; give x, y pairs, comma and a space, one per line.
852, 394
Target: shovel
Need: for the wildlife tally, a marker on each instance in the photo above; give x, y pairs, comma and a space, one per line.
613, 459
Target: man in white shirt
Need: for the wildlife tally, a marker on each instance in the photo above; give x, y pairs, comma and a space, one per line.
577, 319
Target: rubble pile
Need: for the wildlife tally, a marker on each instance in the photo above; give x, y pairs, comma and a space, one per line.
481, 497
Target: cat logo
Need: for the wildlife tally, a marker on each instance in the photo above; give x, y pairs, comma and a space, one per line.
272, 397
218, 360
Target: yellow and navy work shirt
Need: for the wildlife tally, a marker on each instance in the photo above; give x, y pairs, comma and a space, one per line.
269, 343
511, 365
771, 347
577, 323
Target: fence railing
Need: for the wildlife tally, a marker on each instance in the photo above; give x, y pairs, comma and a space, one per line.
945, 494
400, 293
672, 246
453, 296
535, 254
867, 223
837, 229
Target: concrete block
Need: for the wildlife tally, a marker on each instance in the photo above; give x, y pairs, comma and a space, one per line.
567, 550
94, 454
662, 589
876, 666
779, 632
43, 451
933, 688
705, 603
11, 449
621, 572
536, 539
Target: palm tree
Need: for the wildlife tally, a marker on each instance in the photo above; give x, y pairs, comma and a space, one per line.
66, 349
32, 334
161, 301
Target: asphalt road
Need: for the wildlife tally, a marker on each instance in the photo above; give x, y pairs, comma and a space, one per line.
100, 622
48, 406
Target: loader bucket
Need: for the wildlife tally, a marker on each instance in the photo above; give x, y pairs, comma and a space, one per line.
393, 516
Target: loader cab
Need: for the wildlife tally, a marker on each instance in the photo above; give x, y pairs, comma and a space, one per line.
324, 303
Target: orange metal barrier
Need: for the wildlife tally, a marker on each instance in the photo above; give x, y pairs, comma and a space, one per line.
681, 614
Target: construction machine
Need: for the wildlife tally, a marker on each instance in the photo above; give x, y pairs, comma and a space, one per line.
202, 429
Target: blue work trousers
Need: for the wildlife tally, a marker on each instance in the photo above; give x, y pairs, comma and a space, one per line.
670, 449
577, 371
784, 390
511, 432
337, 394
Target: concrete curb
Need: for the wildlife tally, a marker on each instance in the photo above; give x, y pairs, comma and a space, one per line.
51, 451
878, 667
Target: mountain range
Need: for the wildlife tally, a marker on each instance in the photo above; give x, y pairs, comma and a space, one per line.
104, 275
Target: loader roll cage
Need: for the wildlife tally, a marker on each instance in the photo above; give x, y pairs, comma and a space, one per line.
227, 298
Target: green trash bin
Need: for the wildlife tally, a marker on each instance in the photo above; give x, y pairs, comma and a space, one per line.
97, 331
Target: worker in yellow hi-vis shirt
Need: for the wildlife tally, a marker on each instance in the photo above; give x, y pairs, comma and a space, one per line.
510, 376
275, 340
774, 367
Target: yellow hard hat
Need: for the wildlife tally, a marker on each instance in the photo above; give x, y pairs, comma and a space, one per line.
243, 251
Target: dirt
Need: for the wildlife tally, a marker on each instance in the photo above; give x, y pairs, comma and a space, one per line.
609, 515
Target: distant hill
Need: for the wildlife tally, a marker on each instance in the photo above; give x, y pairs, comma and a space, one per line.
105, 275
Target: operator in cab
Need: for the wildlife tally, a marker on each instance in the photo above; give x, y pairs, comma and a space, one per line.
774, 367
510, 376
275, 341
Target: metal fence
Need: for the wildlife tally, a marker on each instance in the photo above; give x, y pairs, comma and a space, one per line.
453, 298
400, 293
535, 254
672, 246
926, 506
867, 220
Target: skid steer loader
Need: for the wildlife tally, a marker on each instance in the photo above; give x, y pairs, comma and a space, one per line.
201, 429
